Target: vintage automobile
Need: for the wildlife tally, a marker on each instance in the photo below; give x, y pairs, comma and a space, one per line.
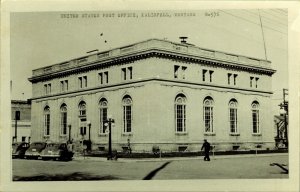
57, 151
34, 151
18, 149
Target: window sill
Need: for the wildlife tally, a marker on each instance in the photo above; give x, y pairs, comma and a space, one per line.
63, 135
46, 136
181, 133
256, 134
210, 134
234, 134
103, 134
127, 134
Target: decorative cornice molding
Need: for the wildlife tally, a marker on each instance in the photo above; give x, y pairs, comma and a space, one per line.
132, 84
147, 54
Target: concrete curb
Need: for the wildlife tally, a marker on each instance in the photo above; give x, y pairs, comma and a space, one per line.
103, 159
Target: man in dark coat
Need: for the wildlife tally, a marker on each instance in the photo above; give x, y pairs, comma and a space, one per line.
206, 147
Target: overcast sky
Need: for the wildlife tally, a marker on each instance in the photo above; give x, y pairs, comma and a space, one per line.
41, 39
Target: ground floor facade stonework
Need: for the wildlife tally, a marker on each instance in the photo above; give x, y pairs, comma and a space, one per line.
173, 116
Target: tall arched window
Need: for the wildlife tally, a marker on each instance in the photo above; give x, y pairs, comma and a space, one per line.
82, 109
127, 114
233, 116
102, 115
255, 117
63, 119
47, 121
82, 117
208, 115
180, 113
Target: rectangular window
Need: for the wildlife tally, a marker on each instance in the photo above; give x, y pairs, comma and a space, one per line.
228, 78
233, 120
23, 139
103, 117
183, 71
256, 82
124, 73
130, 72
127, 119
66, 85
208, 119
106, 76
101, 78
255, 121
47, 124
62, 86
203, 74
234, 78
80, 82
176, 71
63, 123
251, 81
85, 81
47, 88
210, 75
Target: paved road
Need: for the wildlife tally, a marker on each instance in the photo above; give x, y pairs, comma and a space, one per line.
220, 167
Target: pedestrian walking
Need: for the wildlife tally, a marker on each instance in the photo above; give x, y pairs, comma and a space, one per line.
70, 146
206, 147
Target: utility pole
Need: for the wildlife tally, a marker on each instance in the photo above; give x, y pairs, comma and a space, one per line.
285, 105
285, 111
17, 117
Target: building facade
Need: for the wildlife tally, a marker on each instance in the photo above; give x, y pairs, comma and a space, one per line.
21, 123
159, 93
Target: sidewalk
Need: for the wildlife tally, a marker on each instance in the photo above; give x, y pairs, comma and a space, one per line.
104, 159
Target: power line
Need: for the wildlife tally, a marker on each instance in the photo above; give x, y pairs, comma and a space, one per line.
278, 15
274, 24
252, 22
274, 20
281, 11
254, 15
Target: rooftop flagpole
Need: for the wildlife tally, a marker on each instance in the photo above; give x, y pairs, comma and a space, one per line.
263, 36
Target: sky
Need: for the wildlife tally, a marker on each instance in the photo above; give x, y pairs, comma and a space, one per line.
39, 39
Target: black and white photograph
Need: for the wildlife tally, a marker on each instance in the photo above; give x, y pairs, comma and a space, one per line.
188, 96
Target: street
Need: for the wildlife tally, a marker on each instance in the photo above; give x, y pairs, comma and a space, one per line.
93, 168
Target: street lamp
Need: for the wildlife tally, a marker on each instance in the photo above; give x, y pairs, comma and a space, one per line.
89, 125
89, 143
108, 123
69, 125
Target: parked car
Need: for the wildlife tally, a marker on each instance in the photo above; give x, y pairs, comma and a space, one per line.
18, 149
35, 149
57, 151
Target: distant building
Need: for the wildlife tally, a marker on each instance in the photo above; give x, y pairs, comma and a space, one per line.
22, 125
160, 93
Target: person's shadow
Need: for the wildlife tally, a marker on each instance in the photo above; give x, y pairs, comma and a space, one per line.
153, 173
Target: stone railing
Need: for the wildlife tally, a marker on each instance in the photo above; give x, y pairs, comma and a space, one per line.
155, 44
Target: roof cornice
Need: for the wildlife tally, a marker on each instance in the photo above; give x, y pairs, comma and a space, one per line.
144, 54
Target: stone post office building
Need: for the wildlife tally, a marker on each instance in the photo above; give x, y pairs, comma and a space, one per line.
160, 93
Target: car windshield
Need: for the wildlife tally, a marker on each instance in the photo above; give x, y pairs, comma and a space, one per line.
15, 144
37, 145
53, 145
